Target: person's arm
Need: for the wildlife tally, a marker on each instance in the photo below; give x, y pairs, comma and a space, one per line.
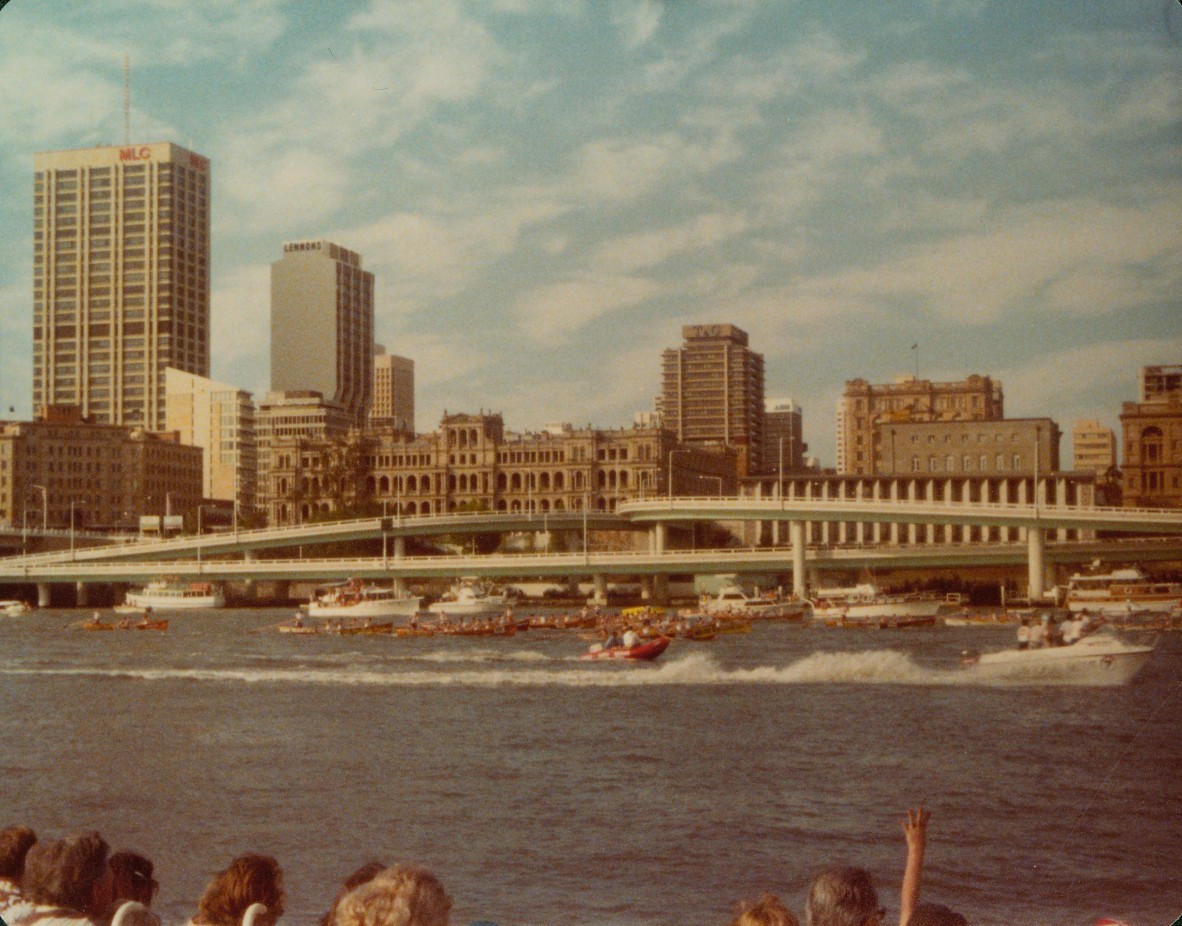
915, 830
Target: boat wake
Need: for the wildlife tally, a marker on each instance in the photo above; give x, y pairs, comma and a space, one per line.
492, 669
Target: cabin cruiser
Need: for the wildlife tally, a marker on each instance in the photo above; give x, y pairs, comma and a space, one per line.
14, 608
467, 598
174, 595
358, 599
866, 603
1122, 591
1100, 658
733, 601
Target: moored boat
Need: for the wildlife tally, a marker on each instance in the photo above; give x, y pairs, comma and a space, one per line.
1100, 658
14, 608
1122, 591
732, 601
466, 598
866, 604
356, 599
174, 595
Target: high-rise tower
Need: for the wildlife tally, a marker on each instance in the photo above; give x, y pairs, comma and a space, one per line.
322, 325
393, 391
712, 392
120, 277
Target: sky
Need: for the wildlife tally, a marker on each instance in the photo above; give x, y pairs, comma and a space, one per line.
547, 190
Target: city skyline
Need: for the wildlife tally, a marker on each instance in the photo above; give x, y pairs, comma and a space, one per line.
546, 193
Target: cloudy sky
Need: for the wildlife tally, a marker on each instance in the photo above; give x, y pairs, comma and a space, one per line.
547, 190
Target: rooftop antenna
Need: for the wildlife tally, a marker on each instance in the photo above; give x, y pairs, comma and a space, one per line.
126, 99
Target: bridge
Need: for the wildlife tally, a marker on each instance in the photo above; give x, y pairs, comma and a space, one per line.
208, 555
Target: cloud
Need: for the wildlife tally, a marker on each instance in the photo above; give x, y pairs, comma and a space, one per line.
636, 20
551, 314
240, 322
653, 248
1055, 382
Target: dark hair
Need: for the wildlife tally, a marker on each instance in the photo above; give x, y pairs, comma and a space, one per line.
362, 875
133, 877
63, 872
935, 914
15, 842
250, 878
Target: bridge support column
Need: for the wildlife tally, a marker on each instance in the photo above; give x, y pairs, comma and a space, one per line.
43, 594
646, 588
80, 594
600, 594
658, 538
799, 578
399, 555
1036, 564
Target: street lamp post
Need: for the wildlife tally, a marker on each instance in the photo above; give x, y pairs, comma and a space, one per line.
71, 529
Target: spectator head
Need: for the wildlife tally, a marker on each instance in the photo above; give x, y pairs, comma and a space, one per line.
769, 910
405, 895
362, 875
15, 842
133, 879
250, 878
843, 897
71, 872
935, 914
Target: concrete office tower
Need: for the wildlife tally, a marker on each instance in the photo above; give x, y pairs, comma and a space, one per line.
393, 392
1093, 447
865, 412
322, 325
783, 436
219, 419
712, 392
120, 278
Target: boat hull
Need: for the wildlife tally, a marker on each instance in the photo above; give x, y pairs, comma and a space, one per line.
1105, 662
390, 607
178, 599
643, 652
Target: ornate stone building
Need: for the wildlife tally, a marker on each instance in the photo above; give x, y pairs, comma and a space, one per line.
1152, 435
472, 462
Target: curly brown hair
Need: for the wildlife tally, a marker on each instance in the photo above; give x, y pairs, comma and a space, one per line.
250, 878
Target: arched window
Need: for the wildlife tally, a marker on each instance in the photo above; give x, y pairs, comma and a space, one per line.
383, 484
1152, 446
558, 482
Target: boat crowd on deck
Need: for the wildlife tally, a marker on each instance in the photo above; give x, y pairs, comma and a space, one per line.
77, 881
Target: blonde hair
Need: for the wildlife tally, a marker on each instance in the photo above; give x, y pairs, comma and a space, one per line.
769, 910
404, 895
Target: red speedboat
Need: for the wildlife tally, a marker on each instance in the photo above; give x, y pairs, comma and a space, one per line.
648, 650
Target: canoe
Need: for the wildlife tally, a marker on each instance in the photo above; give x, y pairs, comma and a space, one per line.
644, 651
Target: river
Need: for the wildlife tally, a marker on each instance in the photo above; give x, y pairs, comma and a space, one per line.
543, 789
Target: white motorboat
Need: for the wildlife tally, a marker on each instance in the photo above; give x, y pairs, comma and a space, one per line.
468, 598
1100, 658
14, 608
865, 603
358, 599
1122, 591
733, 601
172, 595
